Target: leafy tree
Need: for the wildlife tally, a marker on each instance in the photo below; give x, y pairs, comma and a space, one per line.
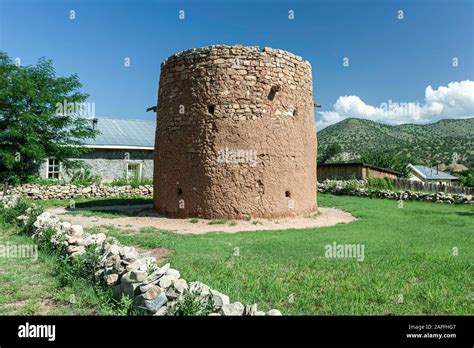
467, 178
31, 127
328, 152
389, 160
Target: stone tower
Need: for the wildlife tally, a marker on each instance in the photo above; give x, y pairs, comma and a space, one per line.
235, 134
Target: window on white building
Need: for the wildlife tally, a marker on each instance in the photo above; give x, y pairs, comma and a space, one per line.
53, 170
134, 171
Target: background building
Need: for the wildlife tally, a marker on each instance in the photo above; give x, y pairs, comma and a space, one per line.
122, 149
359, 171
431, 175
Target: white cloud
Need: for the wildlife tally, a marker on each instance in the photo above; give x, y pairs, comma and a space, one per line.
453, 101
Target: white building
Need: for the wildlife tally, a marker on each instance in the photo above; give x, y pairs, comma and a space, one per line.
431, 175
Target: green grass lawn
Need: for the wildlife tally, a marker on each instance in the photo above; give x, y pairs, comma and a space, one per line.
33, 286
83, 202
409, 265
107, 214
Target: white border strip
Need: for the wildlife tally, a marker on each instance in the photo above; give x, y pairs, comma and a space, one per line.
126, 147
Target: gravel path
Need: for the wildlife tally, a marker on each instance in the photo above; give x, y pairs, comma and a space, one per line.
150, 218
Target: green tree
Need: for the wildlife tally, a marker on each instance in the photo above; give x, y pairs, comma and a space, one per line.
31, 127
389, 160
467, 178
328, 152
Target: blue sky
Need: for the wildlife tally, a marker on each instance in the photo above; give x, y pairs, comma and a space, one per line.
389, 59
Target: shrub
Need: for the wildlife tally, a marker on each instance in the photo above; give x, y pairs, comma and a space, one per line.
27, 227
151, 268
217, 222
124, 306
350, 185
10, 212
380, 184
83, 267
467, 178
79, 266
44, 240
191, 305
43, 182
12, 180
332, 185
133, 182
83, 177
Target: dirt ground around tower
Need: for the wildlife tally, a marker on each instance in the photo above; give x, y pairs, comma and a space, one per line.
142, 216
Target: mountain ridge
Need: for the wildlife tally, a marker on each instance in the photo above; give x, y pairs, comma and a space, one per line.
443, 141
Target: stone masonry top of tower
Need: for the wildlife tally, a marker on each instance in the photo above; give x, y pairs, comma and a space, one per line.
235, 135
232, 51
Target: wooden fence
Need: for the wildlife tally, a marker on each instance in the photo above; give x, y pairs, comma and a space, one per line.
411, 185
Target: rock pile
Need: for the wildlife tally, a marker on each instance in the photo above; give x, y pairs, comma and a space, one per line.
341, 188
34, 191
9, 202
155, 290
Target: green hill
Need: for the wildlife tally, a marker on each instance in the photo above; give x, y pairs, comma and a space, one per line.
430, 143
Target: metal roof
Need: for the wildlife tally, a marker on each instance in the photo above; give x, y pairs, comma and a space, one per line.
123, 133
433, 174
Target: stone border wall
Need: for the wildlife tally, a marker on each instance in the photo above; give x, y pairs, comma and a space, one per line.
155, 290
34, 191
340, 187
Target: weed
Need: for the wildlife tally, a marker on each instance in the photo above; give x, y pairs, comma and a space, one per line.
191, 305
217, 222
